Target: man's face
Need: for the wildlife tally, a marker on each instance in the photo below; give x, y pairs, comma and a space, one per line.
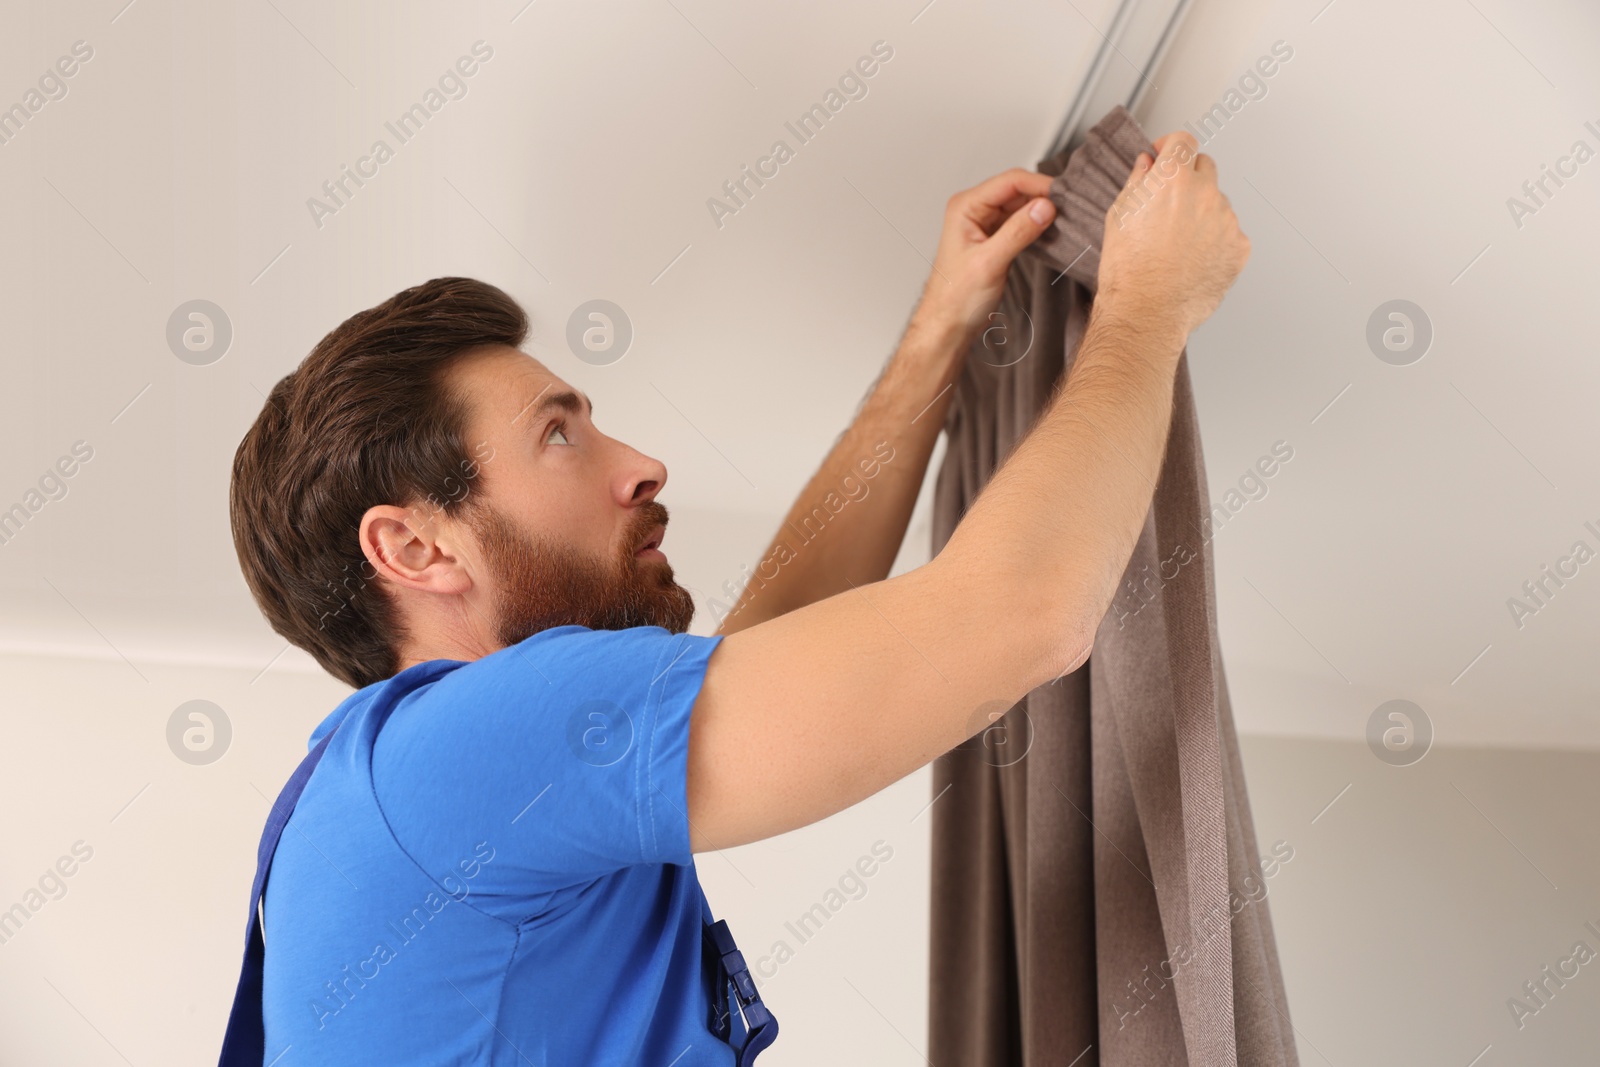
559, 510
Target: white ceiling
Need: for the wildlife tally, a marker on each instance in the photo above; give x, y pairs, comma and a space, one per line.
578, 166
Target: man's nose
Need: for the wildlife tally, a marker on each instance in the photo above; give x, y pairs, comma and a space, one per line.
644, 477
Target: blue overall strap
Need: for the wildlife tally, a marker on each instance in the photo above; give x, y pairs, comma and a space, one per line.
761, 1028
244, 1044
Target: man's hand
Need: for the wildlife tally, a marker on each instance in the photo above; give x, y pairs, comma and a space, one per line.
984, 229
1172, 245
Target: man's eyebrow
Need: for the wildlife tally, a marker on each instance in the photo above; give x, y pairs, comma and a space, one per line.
568, 401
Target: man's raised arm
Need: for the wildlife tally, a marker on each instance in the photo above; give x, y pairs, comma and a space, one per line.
846, 527
803, 715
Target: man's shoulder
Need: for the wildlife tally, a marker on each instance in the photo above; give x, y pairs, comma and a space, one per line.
575, 740
565, 672
575, 658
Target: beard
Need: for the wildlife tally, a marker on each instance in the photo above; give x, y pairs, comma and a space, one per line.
543, 584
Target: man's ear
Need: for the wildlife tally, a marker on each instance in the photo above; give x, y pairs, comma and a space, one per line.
412, 550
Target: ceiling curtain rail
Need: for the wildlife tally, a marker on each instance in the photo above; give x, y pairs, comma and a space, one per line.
1129, 53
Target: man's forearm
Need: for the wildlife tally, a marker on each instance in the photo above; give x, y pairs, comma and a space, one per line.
847, 525
1052, 531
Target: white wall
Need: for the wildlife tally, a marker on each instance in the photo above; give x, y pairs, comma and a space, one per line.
1421, 901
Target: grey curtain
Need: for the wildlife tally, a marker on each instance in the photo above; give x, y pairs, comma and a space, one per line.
1098, 896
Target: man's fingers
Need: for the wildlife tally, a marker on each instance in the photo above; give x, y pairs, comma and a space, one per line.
1168, 139
1177, 149
1020, 201
1136, 175
991, 200
1020, 230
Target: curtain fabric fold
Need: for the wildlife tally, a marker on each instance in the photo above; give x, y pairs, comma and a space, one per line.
1097, 887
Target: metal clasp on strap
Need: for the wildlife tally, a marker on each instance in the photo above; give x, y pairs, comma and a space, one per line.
761, 1028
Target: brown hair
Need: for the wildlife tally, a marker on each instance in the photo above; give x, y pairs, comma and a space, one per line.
364, 420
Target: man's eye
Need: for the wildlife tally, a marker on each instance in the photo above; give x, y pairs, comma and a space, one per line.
559, 430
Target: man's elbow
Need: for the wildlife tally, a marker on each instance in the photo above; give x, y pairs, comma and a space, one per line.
1064, 641
1038, 628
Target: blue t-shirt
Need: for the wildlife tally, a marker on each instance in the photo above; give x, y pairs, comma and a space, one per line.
491, 865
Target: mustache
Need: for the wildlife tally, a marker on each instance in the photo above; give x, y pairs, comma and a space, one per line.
646, 516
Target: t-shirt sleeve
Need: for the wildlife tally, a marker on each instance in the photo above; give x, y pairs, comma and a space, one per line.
563, 756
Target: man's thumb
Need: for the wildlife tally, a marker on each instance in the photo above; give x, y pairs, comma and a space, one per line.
1023, 227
